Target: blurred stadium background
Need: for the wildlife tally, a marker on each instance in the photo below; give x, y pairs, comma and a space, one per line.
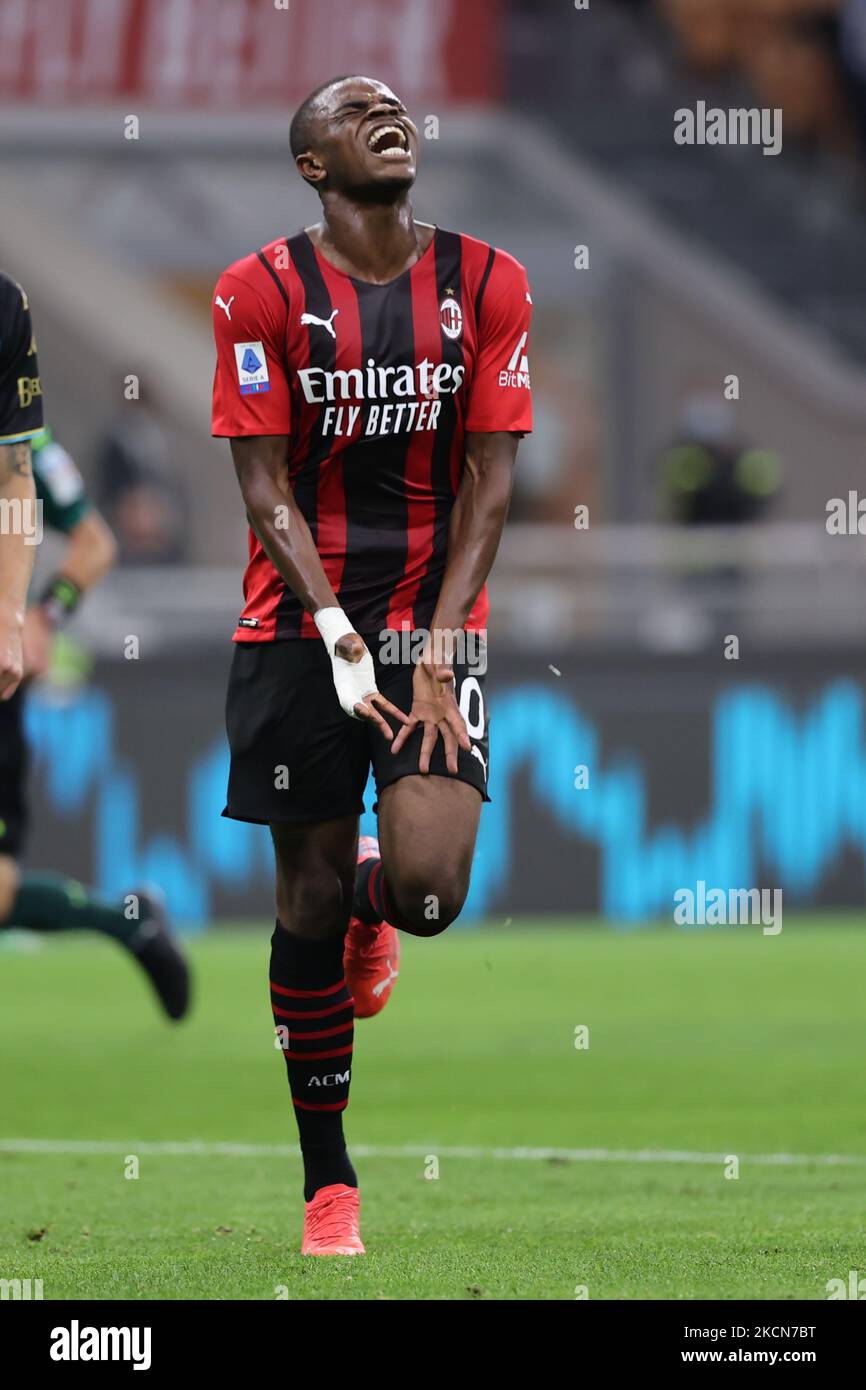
707, 516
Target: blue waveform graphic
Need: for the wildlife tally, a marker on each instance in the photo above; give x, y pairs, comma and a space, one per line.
787, 795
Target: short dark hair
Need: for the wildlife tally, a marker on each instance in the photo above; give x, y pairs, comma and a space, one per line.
301, 129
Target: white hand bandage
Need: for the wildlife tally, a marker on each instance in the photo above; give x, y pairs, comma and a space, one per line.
353, 680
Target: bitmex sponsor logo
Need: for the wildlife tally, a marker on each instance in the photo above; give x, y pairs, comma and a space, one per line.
77, 1343
517, 372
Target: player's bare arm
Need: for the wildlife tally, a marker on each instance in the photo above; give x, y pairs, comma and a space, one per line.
90, 554
18, 495
15, 461
475, 530
260, 464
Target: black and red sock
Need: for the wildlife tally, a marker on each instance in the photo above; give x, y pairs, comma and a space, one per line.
315, 1019
374, 901
367, 903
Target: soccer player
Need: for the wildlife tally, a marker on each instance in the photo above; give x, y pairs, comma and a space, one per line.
373, 381
20, 417
42, 472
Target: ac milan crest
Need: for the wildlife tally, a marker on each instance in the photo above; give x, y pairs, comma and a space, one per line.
451, 318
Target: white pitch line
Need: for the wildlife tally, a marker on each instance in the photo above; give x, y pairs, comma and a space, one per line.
199, 1148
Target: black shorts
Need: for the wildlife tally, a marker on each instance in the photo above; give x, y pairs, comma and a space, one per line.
297, 757
13, 775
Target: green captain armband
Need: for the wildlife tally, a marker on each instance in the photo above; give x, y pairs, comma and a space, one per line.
59, 600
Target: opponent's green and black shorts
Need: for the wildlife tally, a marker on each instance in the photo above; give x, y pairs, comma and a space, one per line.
13, 775
297, 757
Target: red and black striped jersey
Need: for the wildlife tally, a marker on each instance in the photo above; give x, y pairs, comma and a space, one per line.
375, 387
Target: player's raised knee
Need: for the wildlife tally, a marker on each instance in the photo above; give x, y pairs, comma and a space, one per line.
430, 907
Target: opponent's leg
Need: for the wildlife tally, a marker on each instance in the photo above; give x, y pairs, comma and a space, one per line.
53, 903
427, 831
13, 799
314, 1017
46, 902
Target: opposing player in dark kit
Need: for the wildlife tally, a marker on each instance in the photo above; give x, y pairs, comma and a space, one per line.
51, 493
373, 380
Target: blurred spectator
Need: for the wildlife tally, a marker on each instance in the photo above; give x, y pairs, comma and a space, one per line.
851, 36
137, 487
786, 49
711, 477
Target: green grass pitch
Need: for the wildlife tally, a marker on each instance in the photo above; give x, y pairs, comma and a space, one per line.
706, 1043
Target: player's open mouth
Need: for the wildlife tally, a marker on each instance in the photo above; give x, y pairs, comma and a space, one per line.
389, 142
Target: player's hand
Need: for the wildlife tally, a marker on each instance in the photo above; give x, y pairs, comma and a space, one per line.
364, 703
37, 642
434, 706
11, 655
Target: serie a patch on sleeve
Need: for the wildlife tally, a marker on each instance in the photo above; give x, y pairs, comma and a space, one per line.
252, 367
